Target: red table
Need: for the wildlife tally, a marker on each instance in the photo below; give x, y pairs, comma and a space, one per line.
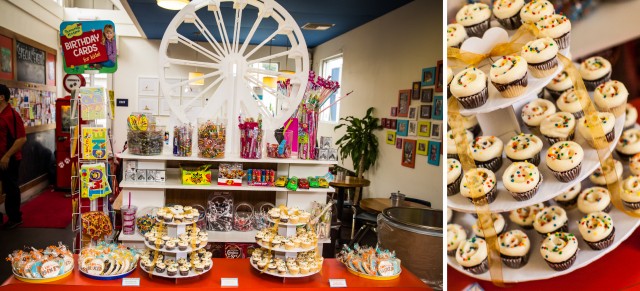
248, 279
615, 271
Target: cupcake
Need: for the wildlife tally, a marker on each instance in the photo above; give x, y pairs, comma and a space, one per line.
594, 199
471, 124
284, 218
534, 10
262, 264
611, 95
597, 230
524, 147
160, 267
559, 85
294, 270
525, 216
570, 102
450, 75
289, 245
170, 245
455, 235
608, 174
159, 243
551, 219
564, 159
514, 248
172, 271
475, 18
449, 215
488, 185
558, 127
568, 199
472, 255
469, 86
629, 143
454, 176
634, 164
456, 35
304, 269
522, 180
507, 12
535, 111
184, 271
207, 264
595, 71
630, 194
631, 116
499, 225
198, 267
487, 152
607, 121
509, 75
559, 250
294, 219
452, 150
555, 26
540, 54
182, 245
178, 218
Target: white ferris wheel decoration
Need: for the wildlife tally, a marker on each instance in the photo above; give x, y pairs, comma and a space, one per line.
229, 71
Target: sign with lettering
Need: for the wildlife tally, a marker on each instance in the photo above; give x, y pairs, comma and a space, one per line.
88, 45
31, 63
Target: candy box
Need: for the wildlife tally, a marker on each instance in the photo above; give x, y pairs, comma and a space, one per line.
216, 249
230, 174
233, 251
141, 175
196, 176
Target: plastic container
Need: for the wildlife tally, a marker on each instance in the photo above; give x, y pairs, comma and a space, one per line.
279, 143
128, 219
212, 137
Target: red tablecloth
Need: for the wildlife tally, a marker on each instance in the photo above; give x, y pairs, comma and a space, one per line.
248, 279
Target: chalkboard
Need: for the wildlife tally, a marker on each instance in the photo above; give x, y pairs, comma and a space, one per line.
30, 63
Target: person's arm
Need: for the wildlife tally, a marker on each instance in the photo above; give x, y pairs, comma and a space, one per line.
17, 145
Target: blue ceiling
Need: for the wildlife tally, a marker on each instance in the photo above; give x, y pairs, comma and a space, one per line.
345, 14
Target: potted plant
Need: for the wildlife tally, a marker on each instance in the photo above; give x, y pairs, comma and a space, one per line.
359, 142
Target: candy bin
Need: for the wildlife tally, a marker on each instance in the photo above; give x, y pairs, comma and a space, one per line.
211, 139
182, 145
144, 138
220, 212
250, 138
243, 218
261, 215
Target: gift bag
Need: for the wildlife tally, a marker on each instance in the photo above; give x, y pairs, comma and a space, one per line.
243, 218
220, 212
261, 215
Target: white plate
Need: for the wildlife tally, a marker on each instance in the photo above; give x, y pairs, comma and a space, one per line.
286, 224
294, 250
175, 224
174, 251
282, 276
191, 274
550, 186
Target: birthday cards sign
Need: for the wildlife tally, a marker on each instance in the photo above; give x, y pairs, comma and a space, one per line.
93, 181
94, 143
88, 45
92, 101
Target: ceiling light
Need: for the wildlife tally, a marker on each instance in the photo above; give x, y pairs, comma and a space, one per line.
317, 26
194, 75
172, 4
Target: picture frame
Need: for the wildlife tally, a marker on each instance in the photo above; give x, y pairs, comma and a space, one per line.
426, 95
391, 137
393, 124
164, 109
383, 122
439, 77
425, 111
403, 128
424, 128
176, 91
415, 90
436, 130
413, 112
404, 101
148, 86
438, 110
398, 143
422, 147
408, 153
387, 123
433, 154
394, 111
148, 104
413, 128
428, 76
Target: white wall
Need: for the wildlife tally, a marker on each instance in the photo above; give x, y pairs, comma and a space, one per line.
380, 58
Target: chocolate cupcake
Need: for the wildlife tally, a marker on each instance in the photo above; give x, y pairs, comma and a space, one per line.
628, 144
452, 141
471, 124
499, 225
550, 220
507, 12
524, 147
571, 102
456, 35
558, 127
534, 10
630, 194
487, 152
509, 75
594, 199
472, 255
595, 71
634, 164
540, 54
522, 180
569, 199
487, 180
469, 86
607, 174
597, 230
564, 159
525, 216
559, 85
611, 95
514, 248
475, 18
555, 26
559, 250
172, 271
536, 111
454, 176
630, 116
607, 121
455, 235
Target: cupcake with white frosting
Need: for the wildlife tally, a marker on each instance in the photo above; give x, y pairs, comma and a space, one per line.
630, 194
452, 140
469, 86
475, 18
597, 230
472, 255
571, 102
522, 180
568, 199
594, 199
558, 127
555, 26
507, 12
509, 75
487, 152
450, 75
454, 176
525, 216
499, 224
535, 111
455, 235
628, 143
471, 124
611, 95
514, 248
564, 159
606, 120
487, 180
540, 54
631, 116
551, 219
560, 250
559, 84
634, 164
456, 35
534, 10
524, 147
449, 215
595, 71
607, 174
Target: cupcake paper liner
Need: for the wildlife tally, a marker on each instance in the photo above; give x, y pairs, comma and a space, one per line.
478, 29
452, 253
515, 262
568, 175
593, 84
534, 160
514, 88
475, 130
478, 269
556, 94
578, 114
604, 243
553, 139
498, 233
452, 156
492, 164
619, 110
454, 188
632, 205
511, 23
475, 100
624, 157
490, 196
541, 94
610, 136
563, 265
569, 204
563, 228
608, 208
523, 196
563, 41
544, 69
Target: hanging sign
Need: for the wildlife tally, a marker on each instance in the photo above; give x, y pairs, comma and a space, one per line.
88, 45
73, 81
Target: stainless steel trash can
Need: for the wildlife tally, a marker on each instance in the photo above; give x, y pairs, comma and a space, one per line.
415, 234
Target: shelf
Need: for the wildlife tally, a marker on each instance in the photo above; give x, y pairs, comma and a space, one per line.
167, 156
214, 236
174, 251
283, 250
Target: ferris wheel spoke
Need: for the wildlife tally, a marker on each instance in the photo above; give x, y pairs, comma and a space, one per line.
255, 49
269, 73
236, 30
182, 62
224, 38
261, 84
207, 53
208, 36
209, 75
256, 100
199, 96
270, 57
247, 40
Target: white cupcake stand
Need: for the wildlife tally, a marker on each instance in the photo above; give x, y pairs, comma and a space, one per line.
500, 117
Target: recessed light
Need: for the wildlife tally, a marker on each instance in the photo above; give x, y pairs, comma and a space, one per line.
317, 26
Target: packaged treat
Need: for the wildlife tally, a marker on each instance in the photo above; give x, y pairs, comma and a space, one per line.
243, 218
220, 212
251, 138
182, 145
261, 177
196, 176
230, 174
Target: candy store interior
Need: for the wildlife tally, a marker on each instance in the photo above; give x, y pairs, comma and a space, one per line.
244, 143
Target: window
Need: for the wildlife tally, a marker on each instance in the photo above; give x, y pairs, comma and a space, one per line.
269, 101
332, 67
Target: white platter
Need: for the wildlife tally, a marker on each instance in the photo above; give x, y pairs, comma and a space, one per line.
175, 224
191, 274
282, 276
174, 251
294, 250
285, 224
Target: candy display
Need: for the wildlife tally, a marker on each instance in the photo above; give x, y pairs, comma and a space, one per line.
304, 239
178, 214
52, 263
292, 184
192, 239
182, 144
220, 212
293, 215
283, 143
243, 217
145, 223
196, 176
323, 183
261, 177
369, 262
107, 261
281, 182
230, 174
144, 138
261, 215
194, 264
251, 138
96, 225
211, 139
303, 183
302, 265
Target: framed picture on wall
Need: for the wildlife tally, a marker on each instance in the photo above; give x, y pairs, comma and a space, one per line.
433, 153
413, 128
428, 76
422, 147
398, 143
415, 90
176, 89
436, 130
403, 128
391, 137
426, 95
439, 76
437, 108
409, 153
393, 124
148, 86
148, 104
404, 101
383, 122
424, 128
394, 111
425, 111
413, 112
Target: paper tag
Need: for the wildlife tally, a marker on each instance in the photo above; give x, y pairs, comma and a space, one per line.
338, 283
229, 282
135, 282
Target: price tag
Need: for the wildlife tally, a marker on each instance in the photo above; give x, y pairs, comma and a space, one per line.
229, 282
131, 282
338, 283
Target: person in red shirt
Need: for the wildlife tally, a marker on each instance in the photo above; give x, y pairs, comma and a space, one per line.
12, 138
